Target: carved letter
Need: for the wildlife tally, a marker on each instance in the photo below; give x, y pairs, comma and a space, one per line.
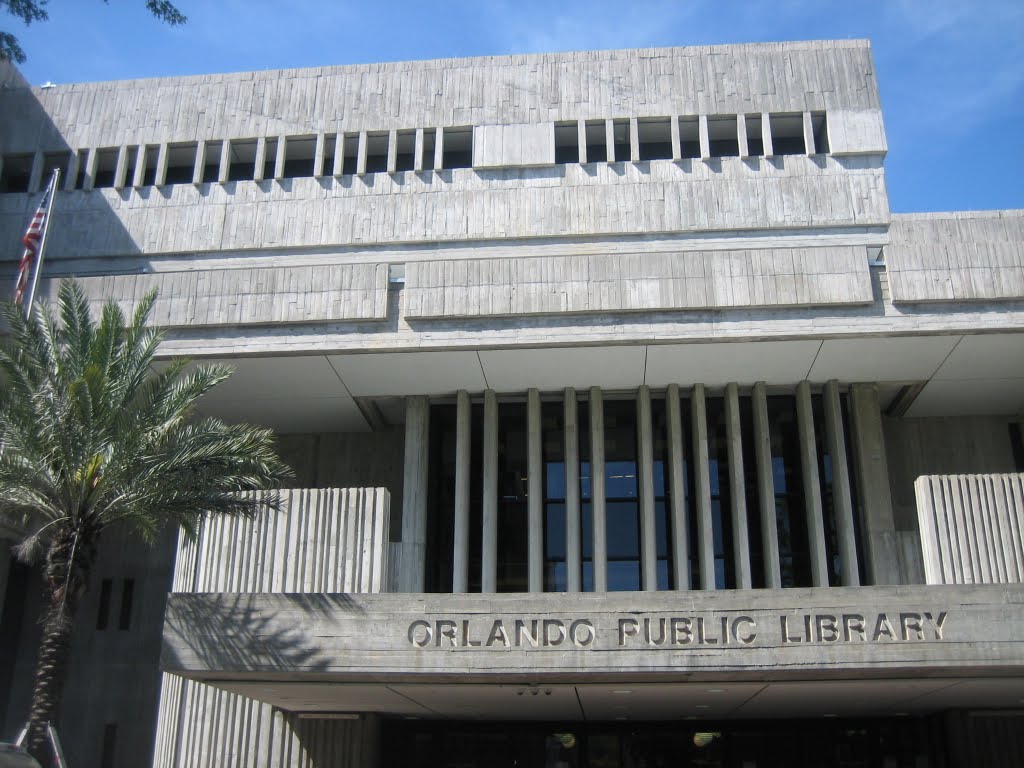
627, 628
445, 628
681, 634
883, 627
651, 640
497, 631
582, 632
466, 640
559, 637
417, 638
702, 639
911, 622
826, 623
937, 623
786, 637
746, 637
853, 623
530, 634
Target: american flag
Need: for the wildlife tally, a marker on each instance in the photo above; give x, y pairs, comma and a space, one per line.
31, 240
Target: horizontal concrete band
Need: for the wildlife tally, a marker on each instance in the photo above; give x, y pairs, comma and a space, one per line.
775, 634
645, 281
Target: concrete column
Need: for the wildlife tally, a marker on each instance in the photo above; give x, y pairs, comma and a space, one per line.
261, 159
318, 155
881, 551
439, 149
597, 492
702, 488
677, 488
200, 162
842, 500
573, 538
677, 142
35, 174
70, 173
705, 140
737, 488
393, 151
162, 159
414, 493
581, 139
489, 548
535, 492
812, 486
282, 153
609, 139
91, 160
809, 135
766, 489
121, 166
361, 154
417, 160
645, 472
140, 166
766, 135
463, 472
634, 140
339, 155
741, 135
225, 162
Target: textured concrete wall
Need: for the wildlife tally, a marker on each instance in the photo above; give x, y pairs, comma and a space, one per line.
971, 528
962, 256
684, 280
729, 79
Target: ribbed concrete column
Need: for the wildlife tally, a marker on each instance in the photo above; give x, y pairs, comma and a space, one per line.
282, 149
609, 140
705, 141
261, 159
393, 151
140, 166
417, 160
339, 155
881, 553
842, 500
737, 488
702, 488
766, 488
71, 172
677, 144
439, 149
677, 485
318, 155
463, 470
645, 470
361, 154
766, 135
597, 491
224, 165
489, 549
91, 160
581, 139
120, 167
741, 135
812, 486
414, 494
634, 140
573, 539
535, 492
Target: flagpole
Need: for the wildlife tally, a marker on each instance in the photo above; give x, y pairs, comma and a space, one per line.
54, 183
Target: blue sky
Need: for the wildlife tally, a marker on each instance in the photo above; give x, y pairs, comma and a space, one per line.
951, 72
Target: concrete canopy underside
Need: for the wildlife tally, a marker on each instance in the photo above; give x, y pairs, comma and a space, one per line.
962, 374
667, 655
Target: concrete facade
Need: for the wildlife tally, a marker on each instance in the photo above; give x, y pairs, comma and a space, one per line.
608, 380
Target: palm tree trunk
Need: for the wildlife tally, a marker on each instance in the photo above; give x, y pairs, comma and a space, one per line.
68, 560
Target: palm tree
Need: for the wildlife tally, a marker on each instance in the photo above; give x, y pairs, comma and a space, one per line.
91, 436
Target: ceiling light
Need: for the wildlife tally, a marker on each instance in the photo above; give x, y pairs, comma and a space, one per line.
622, 691
716, 690
703, 706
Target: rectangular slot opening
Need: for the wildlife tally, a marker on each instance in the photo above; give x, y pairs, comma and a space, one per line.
243, 160
723, 140
53, 161
299, 155
819, 128
787, 134
351, 153
109, 747
597, 142
567, 143
211, 162
755, 137
427, 159
405, 159
103, 608
689, 136
83, 166
16, 172
181, 163
655, 137
127, 593
106, 165
130, 160
376, 152
458, 148
621, 133
330, 146
151, 159
269, 158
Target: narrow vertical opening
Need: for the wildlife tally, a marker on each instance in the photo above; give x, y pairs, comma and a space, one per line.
376, 152
751, 491
83, 168
211, 161
350, 161
127, 595
567, 143
269, 158
405, 157
819, 128
103, 607
622, 508
330, 147
151, 159
723, 139
553, 457
689, 136
55, 161
655, 137
586, 497
441, 499
106, 166
458, 148
755, 136
181, 163
787, 134
427, 158
597, 142
622, 135
299, 156
109, 746
16, 172
243, 160
131, 160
